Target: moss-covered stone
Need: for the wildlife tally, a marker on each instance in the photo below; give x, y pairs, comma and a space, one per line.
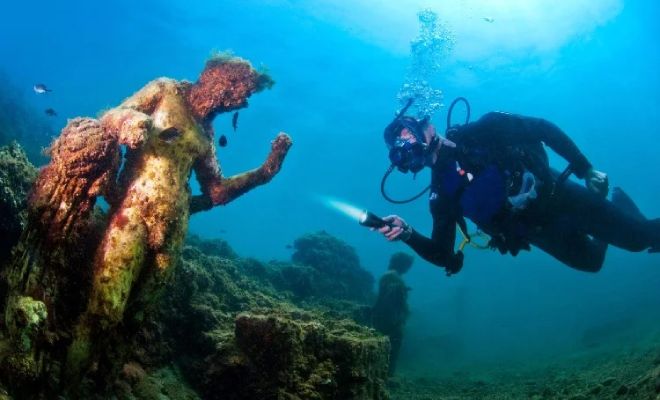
212, 247
300, 355
27, 318
17, 175
238, 337
336, 269
3, 394
164, 383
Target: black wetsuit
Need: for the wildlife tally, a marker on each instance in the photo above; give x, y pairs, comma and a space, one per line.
568, 221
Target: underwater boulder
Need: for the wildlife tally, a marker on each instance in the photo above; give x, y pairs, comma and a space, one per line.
340, 274
234, 335
212, 247
300, 355
17, 175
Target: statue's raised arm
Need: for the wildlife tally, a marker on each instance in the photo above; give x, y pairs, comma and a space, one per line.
219, 190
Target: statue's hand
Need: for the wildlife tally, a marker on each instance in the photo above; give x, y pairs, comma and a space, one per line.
279, 148
130, 126
220, 190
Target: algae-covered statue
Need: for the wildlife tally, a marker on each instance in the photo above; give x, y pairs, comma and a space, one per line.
74, 273
390, 311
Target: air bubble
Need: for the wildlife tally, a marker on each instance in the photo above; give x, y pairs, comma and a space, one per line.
428, 52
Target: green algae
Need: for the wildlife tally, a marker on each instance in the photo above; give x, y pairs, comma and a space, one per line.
334, 268
620, 373
28, 318
206, 338
17, 175
258, 341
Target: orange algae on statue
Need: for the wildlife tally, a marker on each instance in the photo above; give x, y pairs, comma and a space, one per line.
166, 128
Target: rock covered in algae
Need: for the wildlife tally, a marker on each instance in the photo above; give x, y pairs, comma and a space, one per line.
298, 355
212, 247
17, 175
336, 269
28, 316
164, 383
235, 336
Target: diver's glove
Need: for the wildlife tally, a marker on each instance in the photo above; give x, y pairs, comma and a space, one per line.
597, 182
455, 264
397, 229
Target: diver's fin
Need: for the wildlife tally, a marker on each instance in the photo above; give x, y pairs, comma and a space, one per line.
655, 228
625, 203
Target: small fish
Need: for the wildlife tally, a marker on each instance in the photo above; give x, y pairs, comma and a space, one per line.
288, 246
50, 112
489, 19
40, 88
234, 121
222, 141
169, 135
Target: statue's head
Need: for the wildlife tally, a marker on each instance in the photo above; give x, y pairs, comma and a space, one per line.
224, 85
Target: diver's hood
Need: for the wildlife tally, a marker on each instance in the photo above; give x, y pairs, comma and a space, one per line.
402, 121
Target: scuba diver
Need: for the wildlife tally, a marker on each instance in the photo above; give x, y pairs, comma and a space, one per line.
495, 172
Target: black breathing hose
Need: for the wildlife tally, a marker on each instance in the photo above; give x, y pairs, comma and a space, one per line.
451, 109
391, 200
391, 168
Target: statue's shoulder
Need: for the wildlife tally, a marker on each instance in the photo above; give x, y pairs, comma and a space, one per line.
167, 86
163, 84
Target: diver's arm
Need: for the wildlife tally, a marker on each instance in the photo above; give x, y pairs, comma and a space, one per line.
130, 121
431, 250
218, 190
439, 249
520, 129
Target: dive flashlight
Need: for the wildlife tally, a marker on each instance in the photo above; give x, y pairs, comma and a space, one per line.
371, 220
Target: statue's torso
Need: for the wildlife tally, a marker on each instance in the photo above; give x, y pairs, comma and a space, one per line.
158, 172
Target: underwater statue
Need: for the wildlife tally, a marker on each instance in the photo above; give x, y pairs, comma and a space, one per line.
390, 312
74, 272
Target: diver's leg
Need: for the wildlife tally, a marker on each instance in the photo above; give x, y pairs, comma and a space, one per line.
560, 239
606, 221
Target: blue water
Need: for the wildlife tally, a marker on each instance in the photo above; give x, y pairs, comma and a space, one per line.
593, 71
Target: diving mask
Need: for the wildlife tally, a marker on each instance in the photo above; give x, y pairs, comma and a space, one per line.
408, 156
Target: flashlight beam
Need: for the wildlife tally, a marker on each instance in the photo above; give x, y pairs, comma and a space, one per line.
344, 208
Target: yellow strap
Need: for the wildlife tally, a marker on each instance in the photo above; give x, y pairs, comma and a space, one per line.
467, 240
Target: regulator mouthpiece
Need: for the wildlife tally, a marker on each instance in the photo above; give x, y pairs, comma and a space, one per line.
371, 220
